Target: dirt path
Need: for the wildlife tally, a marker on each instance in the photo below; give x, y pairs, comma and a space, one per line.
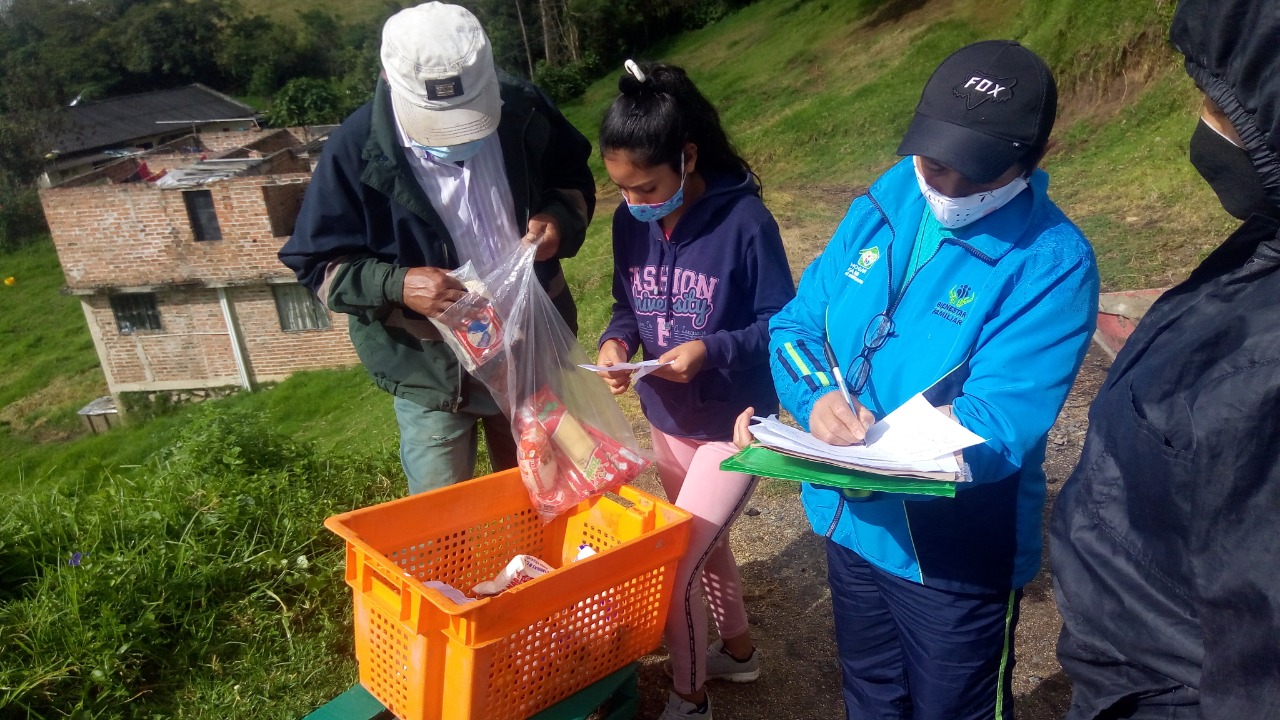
784, 569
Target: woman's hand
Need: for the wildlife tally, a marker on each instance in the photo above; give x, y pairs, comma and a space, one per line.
741, 435
833, 421
686, 361
613, 352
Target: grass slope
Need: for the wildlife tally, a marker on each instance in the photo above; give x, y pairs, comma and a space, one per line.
817, 95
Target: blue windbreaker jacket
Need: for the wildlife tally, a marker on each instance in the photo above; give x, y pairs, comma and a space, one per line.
996, 324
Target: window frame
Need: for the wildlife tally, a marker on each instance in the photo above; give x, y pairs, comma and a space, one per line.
144, 305
315, 317
202, 218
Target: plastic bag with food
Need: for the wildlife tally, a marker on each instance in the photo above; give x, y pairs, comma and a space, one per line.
572, 439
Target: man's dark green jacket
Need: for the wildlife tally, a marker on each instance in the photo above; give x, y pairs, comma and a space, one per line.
365, 221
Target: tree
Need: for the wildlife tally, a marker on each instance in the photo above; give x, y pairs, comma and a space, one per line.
166, 43
306, 101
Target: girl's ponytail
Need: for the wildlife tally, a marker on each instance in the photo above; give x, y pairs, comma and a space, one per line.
658, 110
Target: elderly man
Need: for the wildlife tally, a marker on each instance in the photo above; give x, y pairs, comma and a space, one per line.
452, 161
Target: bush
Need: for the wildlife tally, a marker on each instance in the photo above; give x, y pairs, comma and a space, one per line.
21, 217
566, 82
204, 587
306, 101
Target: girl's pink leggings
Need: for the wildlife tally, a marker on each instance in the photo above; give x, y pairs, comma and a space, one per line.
692, 478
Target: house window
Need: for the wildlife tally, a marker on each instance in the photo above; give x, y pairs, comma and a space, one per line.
204, 220
299, 309
283, 202
134, 312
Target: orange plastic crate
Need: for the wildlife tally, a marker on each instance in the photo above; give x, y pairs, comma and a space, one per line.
511, 655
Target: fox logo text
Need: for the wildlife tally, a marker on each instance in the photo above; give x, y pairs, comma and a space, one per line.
979, 88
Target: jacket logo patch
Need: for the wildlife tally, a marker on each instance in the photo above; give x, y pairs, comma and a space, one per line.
961, 295
858, 268
957, 298
980, 88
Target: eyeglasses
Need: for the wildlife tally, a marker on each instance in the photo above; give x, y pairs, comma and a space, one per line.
878, 332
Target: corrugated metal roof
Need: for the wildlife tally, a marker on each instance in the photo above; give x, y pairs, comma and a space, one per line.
122, 120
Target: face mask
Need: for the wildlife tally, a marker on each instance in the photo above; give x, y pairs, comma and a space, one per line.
657, 211
453, 153
1230, 173
955, 213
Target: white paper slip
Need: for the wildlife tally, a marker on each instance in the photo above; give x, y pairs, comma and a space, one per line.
916, 437
642, 368
918, 430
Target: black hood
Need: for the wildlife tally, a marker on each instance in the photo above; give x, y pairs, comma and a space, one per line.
1232, 53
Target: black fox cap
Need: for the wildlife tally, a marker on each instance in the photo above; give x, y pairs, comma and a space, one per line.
984, 107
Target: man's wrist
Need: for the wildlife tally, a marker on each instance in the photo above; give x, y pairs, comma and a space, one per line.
393, 287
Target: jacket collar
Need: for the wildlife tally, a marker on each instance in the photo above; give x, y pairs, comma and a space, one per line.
991, 238
387, 167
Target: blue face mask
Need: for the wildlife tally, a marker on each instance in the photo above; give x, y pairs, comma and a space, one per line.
454, 153
657, 211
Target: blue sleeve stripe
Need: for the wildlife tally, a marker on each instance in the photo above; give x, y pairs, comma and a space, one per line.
823, 378
799, 364
795, 358
782, 360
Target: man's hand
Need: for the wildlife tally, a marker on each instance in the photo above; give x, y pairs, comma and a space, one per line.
544, 232
833, 421
612, 352
430, 291
686, 360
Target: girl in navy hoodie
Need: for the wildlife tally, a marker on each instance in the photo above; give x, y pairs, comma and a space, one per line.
699, 269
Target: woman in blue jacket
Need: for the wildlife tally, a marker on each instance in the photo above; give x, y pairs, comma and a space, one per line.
954, 275
699, 269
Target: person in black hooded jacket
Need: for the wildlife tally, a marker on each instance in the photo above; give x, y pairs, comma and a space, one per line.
1165, 540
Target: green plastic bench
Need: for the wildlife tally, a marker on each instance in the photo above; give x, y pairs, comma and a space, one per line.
615, 697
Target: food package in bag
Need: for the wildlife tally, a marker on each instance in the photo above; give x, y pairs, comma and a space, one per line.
478, 333
573, 441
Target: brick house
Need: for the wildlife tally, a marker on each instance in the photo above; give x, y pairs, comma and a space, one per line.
172, 253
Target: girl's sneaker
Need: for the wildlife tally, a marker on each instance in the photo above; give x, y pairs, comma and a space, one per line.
723, 666
680, 709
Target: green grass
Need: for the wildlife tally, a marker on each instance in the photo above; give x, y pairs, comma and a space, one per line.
203, 587
51, 368
817, 95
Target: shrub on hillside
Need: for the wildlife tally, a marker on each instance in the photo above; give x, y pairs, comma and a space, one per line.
21, 217
205, 583
566, 82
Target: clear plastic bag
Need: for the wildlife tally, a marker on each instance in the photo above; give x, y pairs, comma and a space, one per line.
572, 438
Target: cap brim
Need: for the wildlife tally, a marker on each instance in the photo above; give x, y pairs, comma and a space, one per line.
979, 157
476, 119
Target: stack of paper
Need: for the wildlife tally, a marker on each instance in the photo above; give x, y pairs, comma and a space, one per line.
916, 441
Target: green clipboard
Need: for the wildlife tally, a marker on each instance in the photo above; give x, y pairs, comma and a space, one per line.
760, 460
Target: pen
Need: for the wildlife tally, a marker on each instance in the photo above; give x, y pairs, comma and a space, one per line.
835, 370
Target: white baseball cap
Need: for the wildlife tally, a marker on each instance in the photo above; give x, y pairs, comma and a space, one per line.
439, 65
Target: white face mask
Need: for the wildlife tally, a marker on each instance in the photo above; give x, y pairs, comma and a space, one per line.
955, 213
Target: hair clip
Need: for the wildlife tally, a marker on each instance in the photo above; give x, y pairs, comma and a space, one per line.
635, 70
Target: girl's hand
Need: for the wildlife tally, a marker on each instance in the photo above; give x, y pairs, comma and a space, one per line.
833, 421
612, 352
741, 435
686, 360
